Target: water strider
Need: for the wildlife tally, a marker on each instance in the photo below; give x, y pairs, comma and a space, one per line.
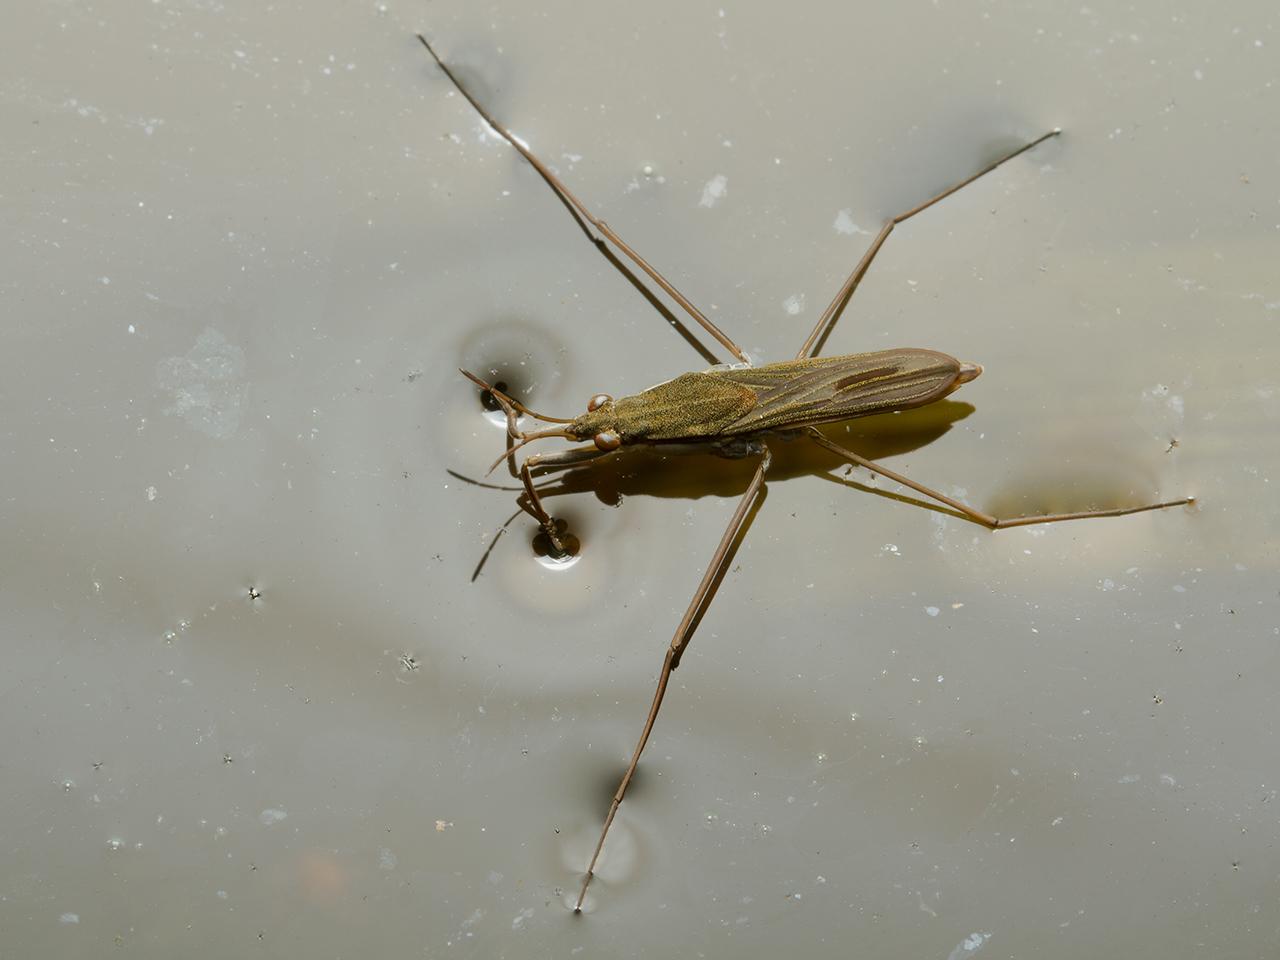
734, 411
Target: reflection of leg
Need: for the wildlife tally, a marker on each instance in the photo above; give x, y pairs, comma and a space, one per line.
532, 503
568, 196
684, 632
829, 315
977, 515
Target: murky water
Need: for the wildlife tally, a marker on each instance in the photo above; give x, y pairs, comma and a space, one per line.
253, 699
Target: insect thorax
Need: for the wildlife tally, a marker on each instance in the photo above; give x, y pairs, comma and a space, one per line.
692, 406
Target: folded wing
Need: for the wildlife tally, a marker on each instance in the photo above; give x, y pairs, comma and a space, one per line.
799, 393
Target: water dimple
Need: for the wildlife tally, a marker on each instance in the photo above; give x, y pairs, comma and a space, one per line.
545, 552
515, 357
619, 861
490, 402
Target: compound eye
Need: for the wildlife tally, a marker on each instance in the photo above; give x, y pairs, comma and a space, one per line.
598, 401
607, 440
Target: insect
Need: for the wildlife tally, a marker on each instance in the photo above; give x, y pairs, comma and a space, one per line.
735, 411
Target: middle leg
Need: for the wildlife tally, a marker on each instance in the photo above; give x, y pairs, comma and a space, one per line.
829, 315
571, 200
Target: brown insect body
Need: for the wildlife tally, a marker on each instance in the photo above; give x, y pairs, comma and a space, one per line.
736, 402
732, 411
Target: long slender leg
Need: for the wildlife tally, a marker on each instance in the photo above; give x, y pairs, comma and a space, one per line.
683, 634
822, 327
569, 197
986, 519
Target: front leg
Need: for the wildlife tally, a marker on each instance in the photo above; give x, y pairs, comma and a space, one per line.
531, 503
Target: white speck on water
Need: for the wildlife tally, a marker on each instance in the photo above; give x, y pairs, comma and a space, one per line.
69, 918
151, 493
1179, 588
969, 946
1056, 822
1198, 73
1130, 778
221, 894
932, 611
132, 328
206, 385
521, 917
844, 224
386, 859
890, 548
1168, 780
714, 190
272, 815
794, 304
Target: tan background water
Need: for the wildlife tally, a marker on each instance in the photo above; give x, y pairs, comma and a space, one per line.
246, 248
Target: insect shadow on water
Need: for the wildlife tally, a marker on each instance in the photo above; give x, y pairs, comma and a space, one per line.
651, 471
734, 411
